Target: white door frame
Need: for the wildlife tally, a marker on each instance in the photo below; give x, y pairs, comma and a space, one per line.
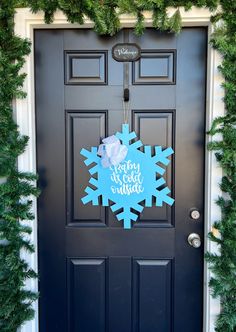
25, 23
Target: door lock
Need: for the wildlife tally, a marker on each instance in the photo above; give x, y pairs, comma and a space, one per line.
194, 240
194, 214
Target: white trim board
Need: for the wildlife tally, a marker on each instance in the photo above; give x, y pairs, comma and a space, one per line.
25, 23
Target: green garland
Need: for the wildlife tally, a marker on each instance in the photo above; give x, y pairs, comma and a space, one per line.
16, 188
223, 284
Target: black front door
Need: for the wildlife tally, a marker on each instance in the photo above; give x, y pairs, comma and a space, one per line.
94, 275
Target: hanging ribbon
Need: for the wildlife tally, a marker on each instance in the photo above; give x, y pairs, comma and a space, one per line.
112, 152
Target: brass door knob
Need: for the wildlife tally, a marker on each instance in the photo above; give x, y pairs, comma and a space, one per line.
194, 240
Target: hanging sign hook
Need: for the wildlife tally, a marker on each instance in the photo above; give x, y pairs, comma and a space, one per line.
126, 94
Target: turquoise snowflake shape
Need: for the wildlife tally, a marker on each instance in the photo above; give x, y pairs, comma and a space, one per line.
138, 178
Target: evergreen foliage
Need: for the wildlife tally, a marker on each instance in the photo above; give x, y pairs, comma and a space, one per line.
105, 13
223, 265
16, 188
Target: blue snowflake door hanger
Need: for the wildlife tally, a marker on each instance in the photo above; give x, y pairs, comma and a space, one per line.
136, 179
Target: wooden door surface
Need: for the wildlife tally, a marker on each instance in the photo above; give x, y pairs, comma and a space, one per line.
94, 275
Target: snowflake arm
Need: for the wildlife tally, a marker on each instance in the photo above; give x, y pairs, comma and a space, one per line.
127, 216
162, 156
91, 157
148, 154
92, 196
125, 136
162, 196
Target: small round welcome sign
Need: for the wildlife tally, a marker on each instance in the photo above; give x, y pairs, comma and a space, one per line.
126, 52
137, 178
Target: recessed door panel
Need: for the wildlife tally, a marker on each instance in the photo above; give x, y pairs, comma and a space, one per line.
155, 67
87, 294
152, 291
86, 68
79, 124
157, 127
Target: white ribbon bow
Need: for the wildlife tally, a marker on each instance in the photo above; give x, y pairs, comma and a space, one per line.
112, 151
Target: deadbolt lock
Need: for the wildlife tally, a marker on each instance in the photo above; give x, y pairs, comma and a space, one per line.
194, 240
194, 214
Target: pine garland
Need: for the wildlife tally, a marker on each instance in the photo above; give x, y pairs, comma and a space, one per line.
223, 284
16, 188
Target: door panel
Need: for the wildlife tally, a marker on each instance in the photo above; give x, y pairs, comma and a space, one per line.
152, 295
86, 68
151, 127
78, 125
155, 67
94, 275
87, 278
